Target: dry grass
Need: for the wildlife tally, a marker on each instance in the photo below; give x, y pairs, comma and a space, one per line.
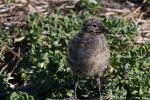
16, 13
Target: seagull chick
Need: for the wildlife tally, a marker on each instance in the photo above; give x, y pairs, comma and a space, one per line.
88, 53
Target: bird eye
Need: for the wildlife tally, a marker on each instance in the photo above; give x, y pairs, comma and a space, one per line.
95, 25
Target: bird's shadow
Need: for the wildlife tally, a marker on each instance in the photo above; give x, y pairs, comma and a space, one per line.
87, 98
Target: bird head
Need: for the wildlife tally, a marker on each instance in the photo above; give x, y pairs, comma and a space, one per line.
94, 25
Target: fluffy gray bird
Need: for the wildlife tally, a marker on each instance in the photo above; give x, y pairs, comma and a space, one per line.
88, 53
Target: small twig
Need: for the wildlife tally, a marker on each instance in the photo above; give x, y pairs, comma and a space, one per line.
133, 19
19, 39
4, 15
131, 4
143, 21
67, 7
7, 8
108, 13
144, 31
11, 14
137, 9
57, 1
14, 22
16, 63
2, 5
19, 4
141, 15
2, 49
148, 34
3, 69
14, 53
117, 10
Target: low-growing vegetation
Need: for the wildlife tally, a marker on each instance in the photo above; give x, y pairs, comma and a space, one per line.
33, 59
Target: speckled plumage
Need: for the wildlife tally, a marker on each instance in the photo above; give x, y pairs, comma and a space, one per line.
88, 53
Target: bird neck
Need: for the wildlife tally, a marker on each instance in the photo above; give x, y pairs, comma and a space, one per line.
93, 31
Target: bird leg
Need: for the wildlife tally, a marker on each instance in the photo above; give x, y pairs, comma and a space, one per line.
98, 85
75, 89
76, 82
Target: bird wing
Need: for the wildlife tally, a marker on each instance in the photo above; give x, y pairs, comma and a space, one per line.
84, 47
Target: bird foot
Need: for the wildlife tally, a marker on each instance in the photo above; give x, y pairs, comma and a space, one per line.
73, 98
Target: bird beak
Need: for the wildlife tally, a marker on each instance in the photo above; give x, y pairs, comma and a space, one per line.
106, 30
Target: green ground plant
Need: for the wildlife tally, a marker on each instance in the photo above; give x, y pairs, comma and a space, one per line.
43, 60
